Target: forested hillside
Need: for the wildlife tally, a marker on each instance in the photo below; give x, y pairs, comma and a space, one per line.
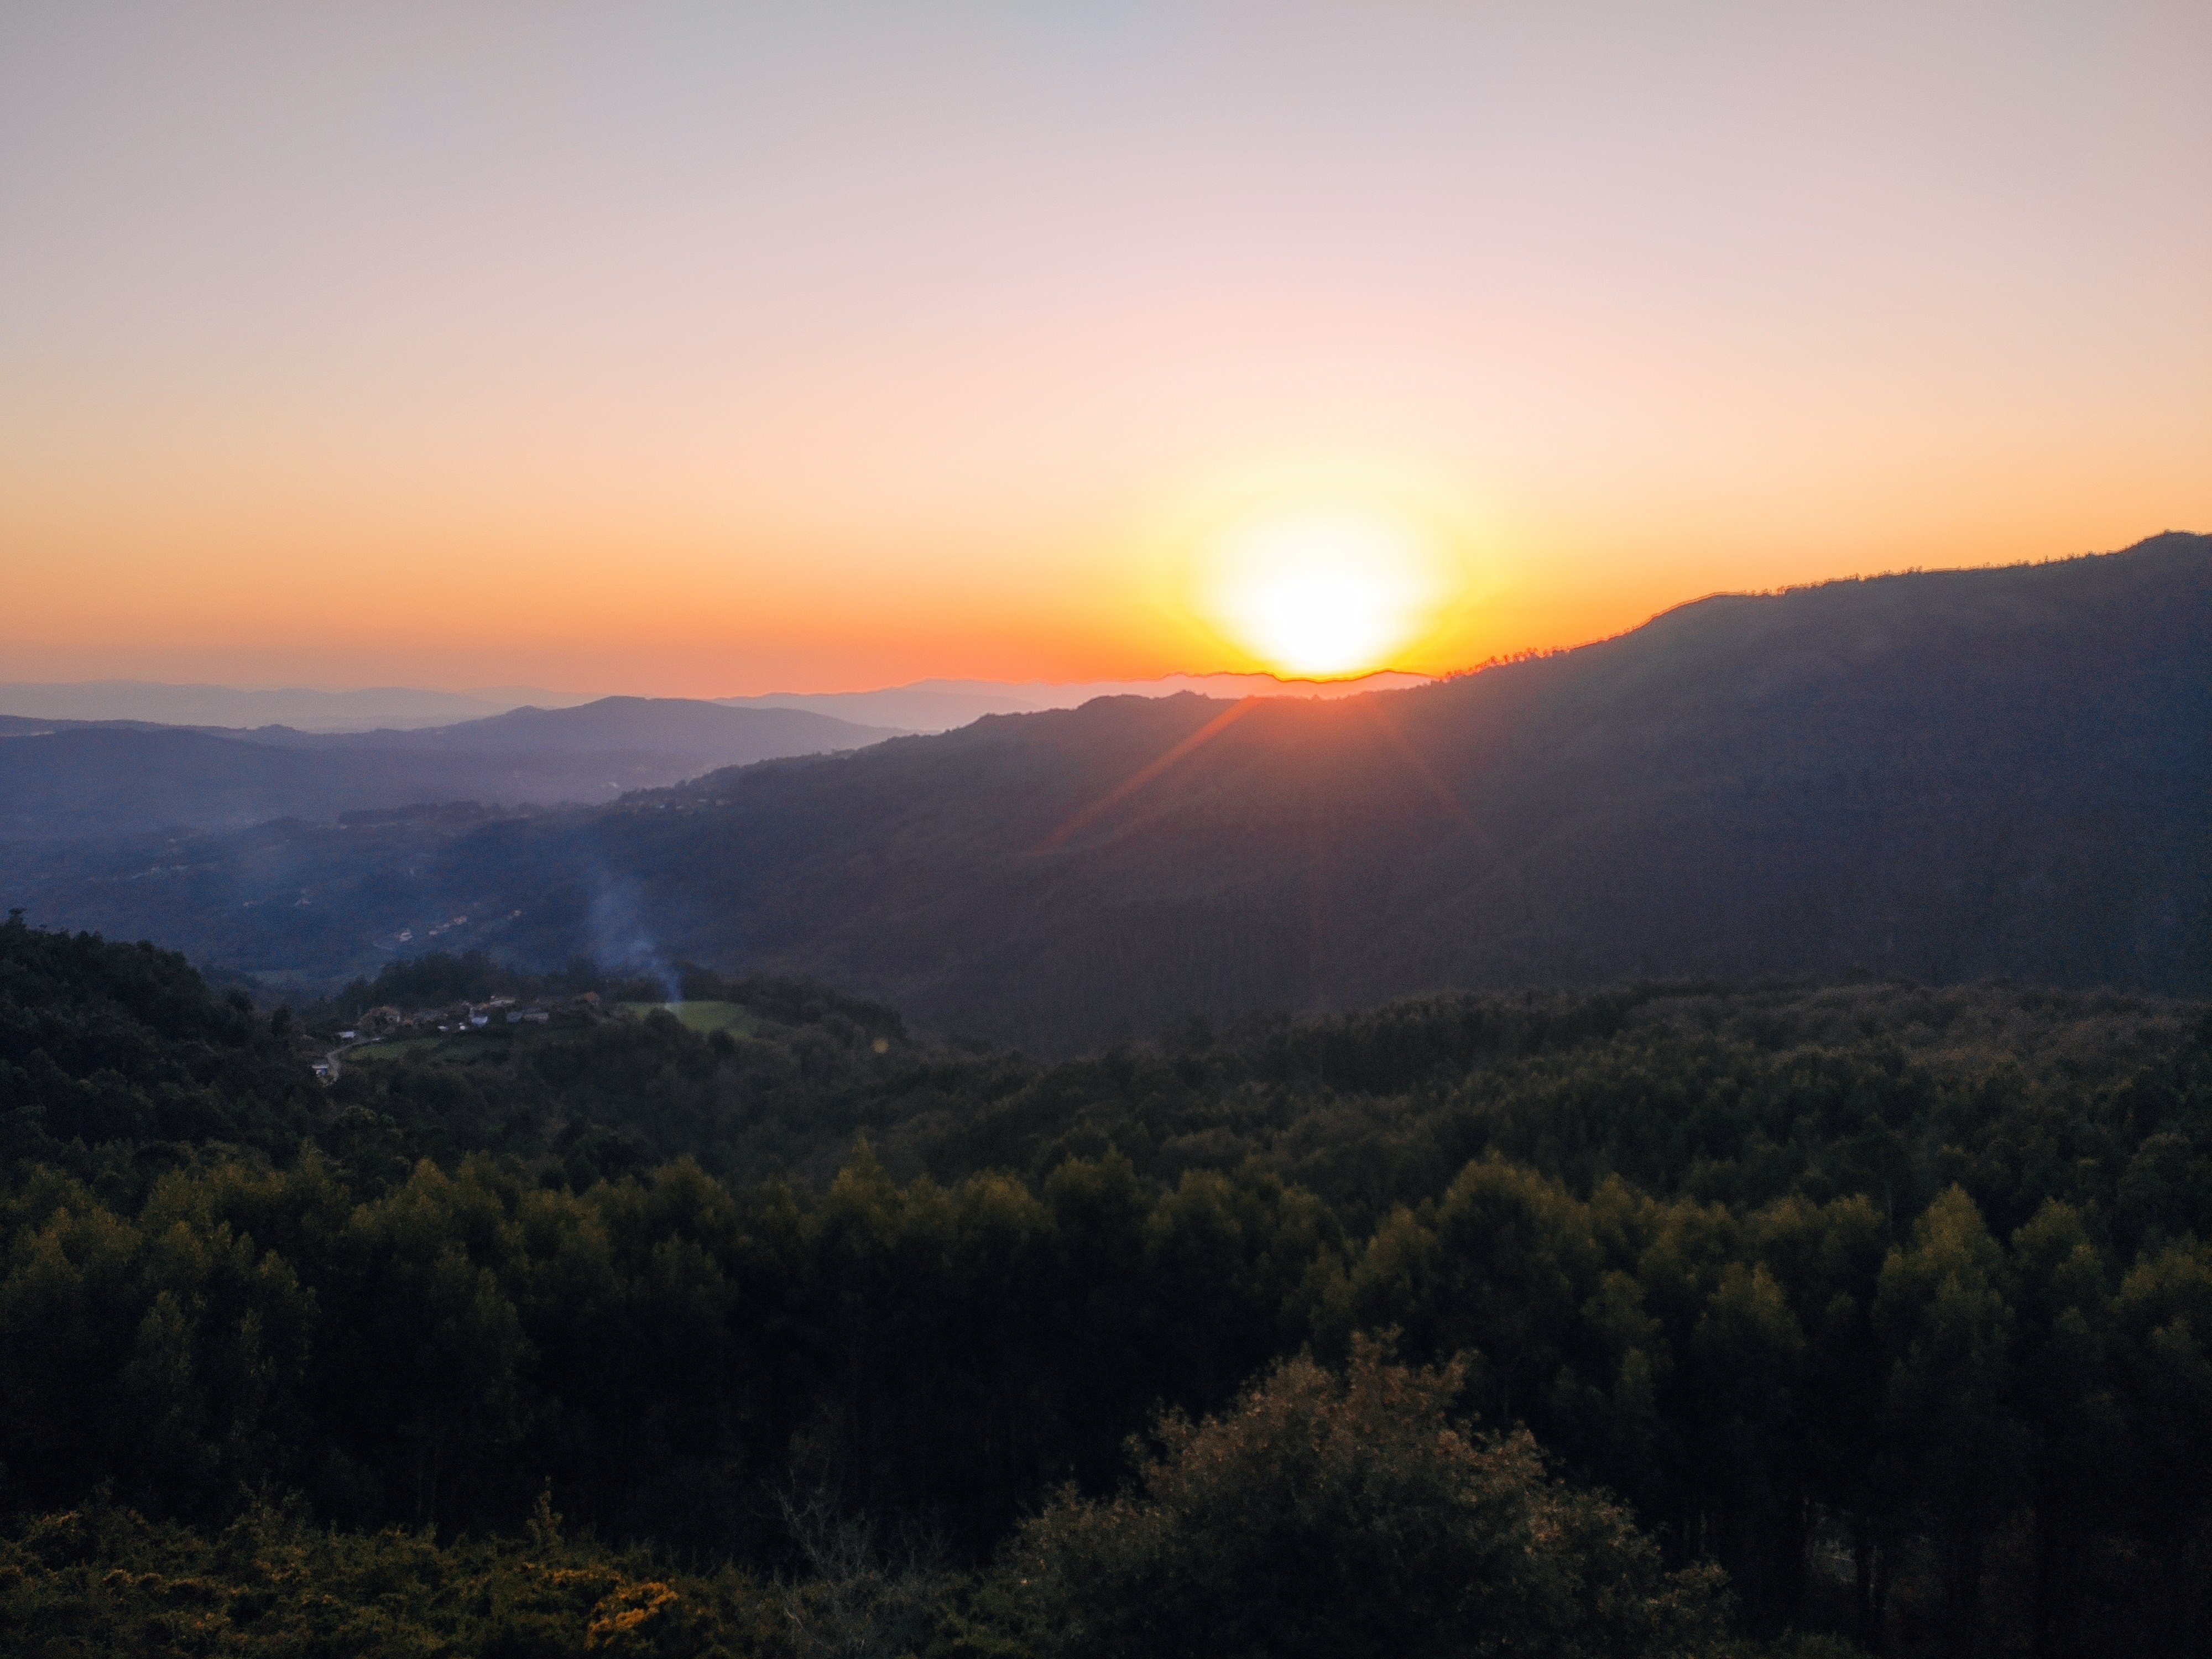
1890, 1303
1943, 776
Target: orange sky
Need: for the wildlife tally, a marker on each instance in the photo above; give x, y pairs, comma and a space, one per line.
657, 349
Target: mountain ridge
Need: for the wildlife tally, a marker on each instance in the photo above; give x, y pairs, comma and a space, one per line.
942, 705
1942, 775
310, 708
60, 778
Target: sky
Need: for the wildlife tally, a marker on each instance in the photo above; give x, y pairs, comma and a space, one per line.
711, 350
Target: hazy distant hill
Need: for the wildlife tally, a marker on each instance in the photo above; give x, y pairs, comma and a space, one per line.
304, 709
62, 779
943, 705
924, 706
1943, 775
678, 726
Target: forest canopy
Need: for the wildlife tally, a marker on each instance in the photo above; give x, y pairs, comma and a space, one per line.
1888, 1309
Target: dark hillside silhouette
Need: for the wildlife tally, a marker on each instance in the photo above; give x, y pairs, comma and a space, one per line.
1945, 776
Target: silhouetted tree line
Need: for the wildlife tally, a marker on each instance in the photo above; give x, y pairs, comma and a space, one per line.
1894, 1304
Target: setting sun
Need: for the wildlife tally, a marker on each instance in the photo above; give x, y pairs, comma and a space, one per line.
1318, 592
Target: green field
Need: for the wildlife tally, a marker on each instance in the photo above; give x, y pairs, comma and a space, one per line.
701, 1017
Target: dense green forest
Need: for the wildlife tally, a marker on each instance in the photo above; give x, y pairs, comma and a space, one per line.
1656, 1320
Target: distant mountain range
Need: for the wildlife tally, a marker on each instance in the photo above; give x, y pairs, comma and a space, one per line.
119, 775
65, 780
393, 708
945, 705
924, 706
1940, 775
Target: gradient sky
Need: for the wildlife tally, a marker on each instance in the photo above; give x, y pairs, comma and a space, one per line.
717, 349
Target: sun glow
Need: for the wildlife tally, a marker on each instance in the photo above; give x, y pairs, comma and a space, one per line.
1322, 591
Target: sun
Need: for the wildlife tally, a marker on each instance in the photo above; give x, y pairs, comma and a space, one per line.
1321, 590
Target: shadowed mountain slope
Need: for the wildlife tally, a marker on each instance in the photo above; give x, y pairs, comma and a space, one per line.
1941, 777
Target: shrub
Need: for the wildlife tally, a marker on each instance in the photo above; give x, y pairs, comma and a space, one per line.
1347, 1517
